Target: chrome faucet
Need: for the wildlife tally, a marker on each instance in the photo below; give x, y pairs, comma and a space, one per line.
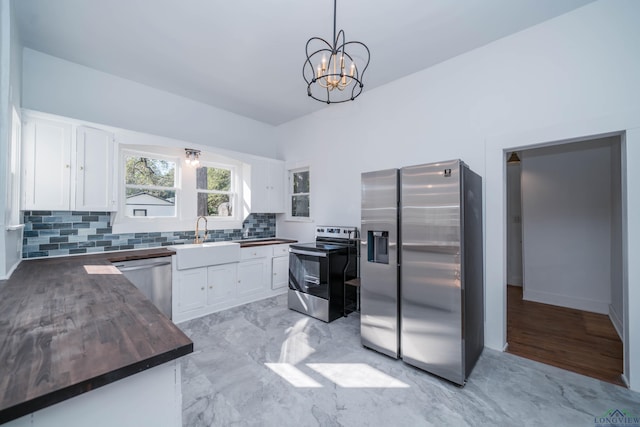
206, 232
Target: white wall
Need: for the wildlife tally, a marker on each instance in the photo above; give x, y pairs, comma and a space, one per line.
566, 224
573, 76
56, 86
10, 96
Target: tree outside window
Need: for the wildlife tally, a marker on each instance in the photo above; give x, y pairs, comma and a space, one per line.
214, 185
150, 186
299, 193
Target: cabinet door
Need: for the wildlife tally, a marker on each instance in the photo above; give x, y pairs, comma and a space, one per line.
221, 280
191, 289
267, 186
94, 170
276, 187
46, 165
260, 187
280, 275
251, 276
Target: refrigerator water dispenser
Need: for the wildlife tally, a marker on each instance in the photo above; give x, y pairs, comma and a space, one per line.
378, 247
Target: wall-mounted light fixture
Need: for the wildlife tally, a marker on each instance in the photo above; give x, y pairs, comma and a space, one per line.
513, 158
193, 156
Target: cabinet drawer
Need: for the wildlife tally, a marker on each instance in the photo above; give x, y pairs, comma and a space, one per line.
280, 250
255, 252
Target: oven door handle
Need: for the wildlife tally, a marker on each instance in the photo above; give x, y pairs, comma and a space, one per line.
310, 253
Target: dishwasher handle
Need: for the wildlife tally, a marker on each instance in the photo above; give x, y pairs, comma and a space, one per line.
123, 267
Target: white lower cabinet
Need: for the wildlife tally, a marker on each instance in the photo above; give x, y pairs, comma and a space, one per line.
253, 273
280, 275
280, 267
261, 273
221, 281
251, 276
191, 287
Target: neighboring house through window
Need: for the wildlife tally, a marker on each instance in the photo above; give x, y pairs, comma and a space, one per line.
150, 186
159, 193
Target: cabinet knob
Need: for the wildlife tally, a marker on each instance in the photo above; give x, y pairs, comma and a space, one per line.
81, 168
202, 288
67, 166
210, 287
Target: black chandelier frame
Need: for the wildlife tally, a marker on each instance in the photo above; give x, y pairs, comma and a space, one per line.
334, 51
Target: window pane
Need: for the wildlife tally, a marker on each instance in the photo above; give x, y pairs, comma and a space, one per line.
153, 202
146, 171
213, 179
301, 182
300, 206
214, 204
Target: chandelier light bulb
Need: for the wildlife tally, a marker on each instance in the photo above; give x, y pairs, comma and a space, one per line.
192, 157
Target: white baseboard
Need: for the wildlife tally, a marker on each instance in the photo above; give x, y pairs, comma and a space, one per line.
11, 270
625, 380
617, 323
601, 307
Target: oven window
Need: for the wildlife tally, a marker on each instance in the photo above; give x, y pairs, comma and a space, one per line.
308, 274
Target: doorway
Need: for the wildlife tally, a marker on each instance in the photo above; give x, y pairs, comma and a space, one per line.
564, 256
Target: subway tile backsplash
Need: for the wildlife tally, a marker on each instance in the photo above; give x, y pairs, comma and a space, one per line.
54, 233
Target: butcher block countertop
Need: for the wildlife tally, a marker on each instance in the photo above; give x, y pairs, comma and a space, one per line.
70, 325
264, 242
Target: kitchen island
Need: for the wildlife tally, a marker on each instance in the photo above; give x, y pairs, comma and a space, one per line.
74, 324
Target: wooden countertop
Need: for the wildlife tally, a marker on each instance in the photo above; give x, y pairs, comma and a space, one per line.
264, 242
69, 325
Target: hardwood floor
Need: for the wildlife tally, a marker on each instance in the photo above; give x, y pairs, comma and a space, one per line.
575, 340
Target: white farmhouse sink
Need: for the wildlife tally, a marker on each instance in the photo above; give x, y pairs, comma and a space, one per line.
204, 254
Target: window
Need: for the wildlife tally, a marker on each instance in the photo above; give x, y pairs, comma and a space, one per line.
214, 186
12, 215
299, 193
150, 186
160, 193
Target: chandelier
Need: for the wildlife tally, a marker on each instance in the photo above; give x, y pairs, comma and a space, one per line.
332, 73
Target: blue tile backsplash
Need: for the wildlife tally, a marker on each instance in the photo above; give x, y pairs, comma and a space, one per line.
54, 233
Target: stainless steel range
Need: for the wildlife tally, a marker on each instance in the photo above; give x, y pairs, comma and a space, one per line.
318, 270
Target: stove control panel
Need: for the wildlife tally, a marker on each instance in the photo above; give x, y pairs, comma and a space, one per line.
336, 232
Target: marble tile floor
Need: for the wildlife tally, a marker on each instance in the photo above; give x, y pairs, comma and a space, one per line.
261, 364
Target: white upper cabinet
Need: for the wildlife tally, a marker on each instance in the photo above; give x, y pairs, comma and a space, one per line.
63, 171
267, 186
46, 160
94, 170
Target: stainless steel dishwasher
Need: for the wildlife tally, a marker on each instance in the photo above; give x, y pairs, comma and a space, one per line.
153, 277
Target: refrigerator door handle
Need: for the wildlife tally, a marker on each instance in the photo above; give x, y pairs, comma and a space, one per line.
432, 248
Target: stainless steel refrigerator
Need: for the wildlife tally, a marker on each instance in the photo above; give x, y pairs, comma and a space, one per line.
422, 295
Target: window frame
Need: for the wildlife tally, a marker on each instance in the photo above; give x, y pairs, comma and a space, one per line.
126, 153
12, 216
186, 194
290, 194
233, 192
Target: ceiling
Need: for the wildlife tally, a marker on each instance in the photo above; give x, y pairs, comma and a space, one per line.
246, 56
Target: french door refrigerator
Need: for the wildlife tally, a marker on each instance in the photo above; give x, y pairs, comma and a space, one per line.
422, 295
